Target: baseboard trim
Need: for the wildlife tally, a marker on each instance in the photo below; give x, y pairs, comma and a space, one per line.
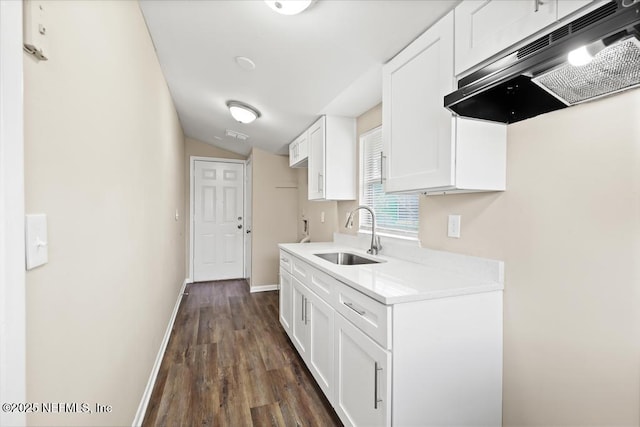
146, 396
263, 288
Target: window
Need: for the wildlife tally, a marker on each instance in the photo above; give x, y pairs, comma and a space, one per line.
396, 214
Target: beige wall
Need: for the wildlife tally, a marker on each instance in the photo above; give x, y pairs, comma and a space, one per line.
568, 229
193, 147
105, 161
312, 211
274, 207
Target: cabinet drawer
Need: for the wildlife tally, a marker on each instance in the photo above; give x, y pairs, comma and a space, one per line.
285, 261
323, 285
367, 314
300, 270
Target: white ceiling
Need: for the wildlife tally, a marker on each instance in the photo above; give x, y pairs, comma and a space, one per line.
326, 60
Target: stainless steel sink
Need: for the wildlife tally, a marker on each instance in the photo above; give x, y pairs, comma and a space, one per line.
346, 258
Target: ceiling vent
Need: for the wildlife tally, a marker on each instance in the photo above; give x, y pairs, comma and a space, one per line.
236, 135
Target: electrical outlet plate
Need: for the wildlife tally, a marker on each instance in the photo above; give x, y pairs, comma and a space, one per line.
453, 227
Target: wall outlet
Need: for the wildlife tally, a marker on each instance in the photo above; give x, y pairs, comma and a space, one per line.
453, 227
322, 216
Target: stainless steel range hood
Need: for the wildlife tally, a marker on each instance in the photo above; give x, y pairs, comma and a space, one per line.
537, 78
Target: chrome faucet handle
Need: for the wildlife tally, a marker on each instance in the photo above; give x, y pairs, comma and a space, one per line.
375, 247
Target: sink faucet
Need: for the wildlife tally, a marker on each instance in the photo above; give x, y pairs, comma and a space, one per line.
375, 240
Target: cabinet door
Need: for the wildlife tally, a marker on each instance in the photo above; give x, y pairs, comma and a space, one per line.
567, 7
303, 147
486, 27
320, 353
299, 331
416, 127
285, 301
299, 151
363, 377
316, 160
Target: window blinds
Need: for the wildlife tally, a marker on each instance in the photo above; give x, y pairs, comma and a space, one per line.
395, 213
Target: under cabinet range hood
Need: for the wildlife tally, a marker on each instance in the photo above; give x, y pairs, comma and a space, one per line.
539, 77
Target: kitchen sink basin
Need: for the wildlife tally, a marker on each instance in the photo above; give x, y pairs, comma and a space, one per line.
346, 258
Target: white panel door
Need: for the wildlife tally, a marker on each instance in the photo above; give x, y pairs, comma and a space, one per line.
248, 219
218, 251
363, 377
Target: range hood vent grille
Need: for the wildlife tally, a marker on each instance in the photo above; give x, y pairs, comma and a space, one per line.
564, 31
612, 70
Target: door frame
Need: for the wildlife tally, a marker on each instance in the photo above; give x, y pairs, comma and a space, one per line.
192, 200
248, 206
12, 209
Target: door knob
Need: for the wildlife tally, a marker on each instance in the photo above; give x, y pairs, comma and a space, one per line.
239, 226
248, 231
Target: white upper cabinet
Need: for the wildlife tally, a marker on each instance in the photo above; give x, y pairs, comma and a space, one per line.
299, 151
416, 129
487, 27
426, 149
567, 7
332, 159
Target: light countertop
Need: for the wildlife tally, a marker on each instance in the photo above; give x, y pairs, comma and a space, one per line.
394, 280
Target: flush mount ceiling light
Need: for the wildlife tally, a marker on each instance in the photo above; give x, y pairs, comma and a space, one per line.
289, 7
242, 112
245, 63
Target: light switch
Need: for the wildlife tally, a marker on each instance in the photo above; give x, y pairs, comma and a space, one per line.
453, 228
322, 216
37, 244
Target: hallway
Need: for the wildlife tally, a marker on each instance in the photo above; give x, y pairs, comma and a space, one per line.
229, 363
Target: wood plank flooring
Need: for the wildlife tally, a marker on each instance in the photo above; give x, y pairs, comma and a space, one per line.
230, 363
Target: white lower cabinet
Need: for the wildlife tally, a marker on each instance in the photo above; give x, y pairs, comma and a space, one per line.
312, 334
427, 362
299, 331
320, 352
363, 377
285, 300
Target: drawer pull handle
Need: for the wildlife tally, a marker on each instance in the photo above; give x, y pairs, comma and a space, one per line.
350, 305
284, 260
376, 399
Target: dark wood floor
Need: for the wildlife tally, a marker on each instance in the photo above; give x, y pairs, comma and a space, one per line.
230, 363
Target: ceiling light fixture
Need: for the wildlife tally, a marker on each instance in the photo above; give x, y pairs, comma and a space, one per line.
289, 7
245, 63
242, 112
